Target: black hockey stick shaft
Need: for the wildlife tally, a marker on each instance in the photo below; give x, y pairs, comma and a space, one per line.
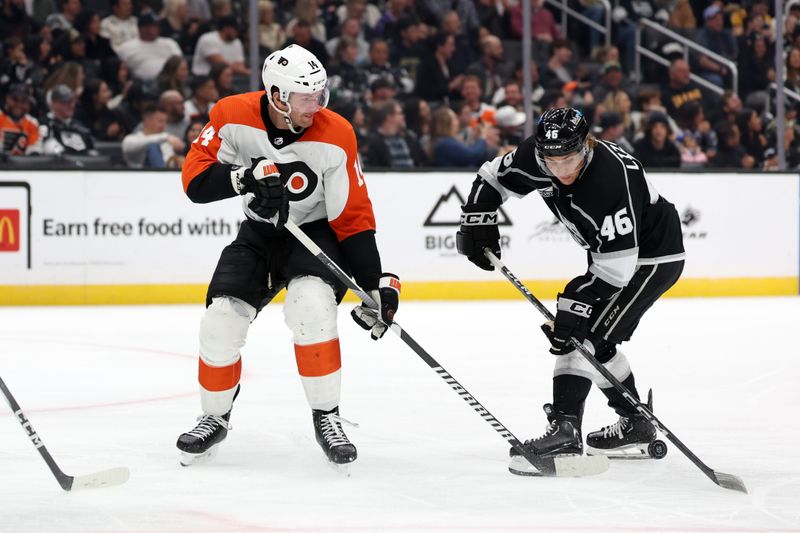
727, 481
545, 465
64, 480
104, 478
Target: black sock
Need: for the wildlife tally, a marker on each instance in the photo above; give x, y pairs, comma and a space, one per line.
618, 402
569, 394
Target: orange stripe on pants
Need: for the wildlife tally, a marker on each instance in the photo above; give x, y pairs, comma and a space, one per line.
220, 378
320, 359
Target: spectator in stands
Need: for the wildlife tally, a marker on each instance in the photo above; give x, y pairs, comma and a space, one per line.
692, 156
419, 121
220, 46
204, 96
449, 151
381, 90
611, 79
390, 144
472, 95
200, 10
510, 94
656, 149
222, 75
308, 12
509, 122
347, 82
435, 80
301, 34
490, 68
388, 23
756, 62
149, 146
463, 53
271, 34
793, 69
612, 128
714, 36
70, 74
97, 47
379, 67
115, 73
752, 135
179, 25
407, 50
15, 21
493, 15
65, 135
537, 90
19, 131
434, 13
15, 66
558, 70
681, 19
74, 49
146, 54
367, 13
174, 76
351, 29
731, 153
619, 102
543, 24
65, 18
681, 89
691, 119
136, 99
172, 104
191, 134
105, 124
120, 27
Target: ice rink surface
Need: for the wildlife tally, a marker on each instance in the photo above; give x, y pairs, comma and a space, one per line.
114, 386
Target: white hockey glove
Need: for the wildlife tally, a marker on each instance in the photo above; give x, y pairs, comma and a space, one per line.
263, 179
377, 321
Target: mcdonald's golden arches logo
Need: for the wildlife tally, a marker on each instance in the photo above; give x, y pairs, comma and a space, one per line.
9, 230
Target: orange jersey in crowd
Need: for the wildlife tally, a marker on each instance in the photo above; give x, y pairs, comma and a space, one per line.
18, 136
320, 166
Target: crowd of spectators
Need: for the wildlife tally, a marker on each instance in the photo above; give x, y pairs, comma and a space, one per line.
424, 82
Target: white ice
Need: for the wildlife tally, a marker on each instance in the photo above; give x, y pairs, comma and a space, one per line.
114, 386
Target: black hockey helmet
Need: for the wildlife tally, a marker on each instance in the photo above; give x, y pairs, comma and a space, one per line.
560, 131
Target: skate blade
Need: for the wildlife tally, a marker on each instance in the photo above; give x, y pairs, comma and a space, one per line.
341, 469
565, 466
189, 459
631, 451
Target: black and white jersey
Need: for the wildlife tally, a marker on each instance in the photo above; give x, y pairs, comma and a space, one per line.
611, 210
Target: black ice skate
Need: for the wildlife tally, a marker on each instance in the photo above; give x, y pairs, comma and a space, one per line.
561, 438
632, 437
200, 444
330, 436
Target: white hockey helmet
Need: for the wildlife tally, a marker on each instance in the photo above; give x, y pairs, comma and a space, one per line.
295, 70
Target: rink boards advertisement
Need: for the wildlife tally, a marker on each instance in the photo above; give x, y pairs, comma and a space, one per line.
134, 237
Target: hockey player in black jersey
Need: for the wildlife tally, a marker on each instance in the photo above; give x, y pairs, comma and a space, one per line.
634, 246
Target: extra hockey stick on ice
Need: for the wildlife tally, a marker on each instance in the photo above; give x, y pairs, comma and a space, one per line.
104, 478
726, 481
547, 466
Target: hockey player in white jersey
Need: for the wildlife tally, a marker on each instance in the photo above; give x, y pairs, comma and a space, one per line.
634, 246
289, 157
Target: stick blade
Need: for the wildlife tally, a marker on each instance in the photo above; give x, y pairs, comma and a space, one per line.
729, 481
104, 478
563, 466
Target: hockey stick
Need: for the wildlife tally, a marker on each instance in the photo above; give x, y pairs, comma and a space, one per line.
726, 481
104, 478
547, 466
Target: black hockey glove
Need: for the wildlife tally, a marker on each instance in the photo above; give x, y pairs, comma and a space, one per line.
388, 298
572, 320
263, 179
478, 231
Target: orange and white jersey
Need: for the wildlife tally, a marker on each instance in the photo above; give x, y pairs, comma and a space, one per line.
19, 137
320, 166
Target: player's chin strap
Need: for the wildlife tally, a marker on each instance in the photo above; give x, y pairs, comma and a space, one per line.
285, 114
726, 481
547, 466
